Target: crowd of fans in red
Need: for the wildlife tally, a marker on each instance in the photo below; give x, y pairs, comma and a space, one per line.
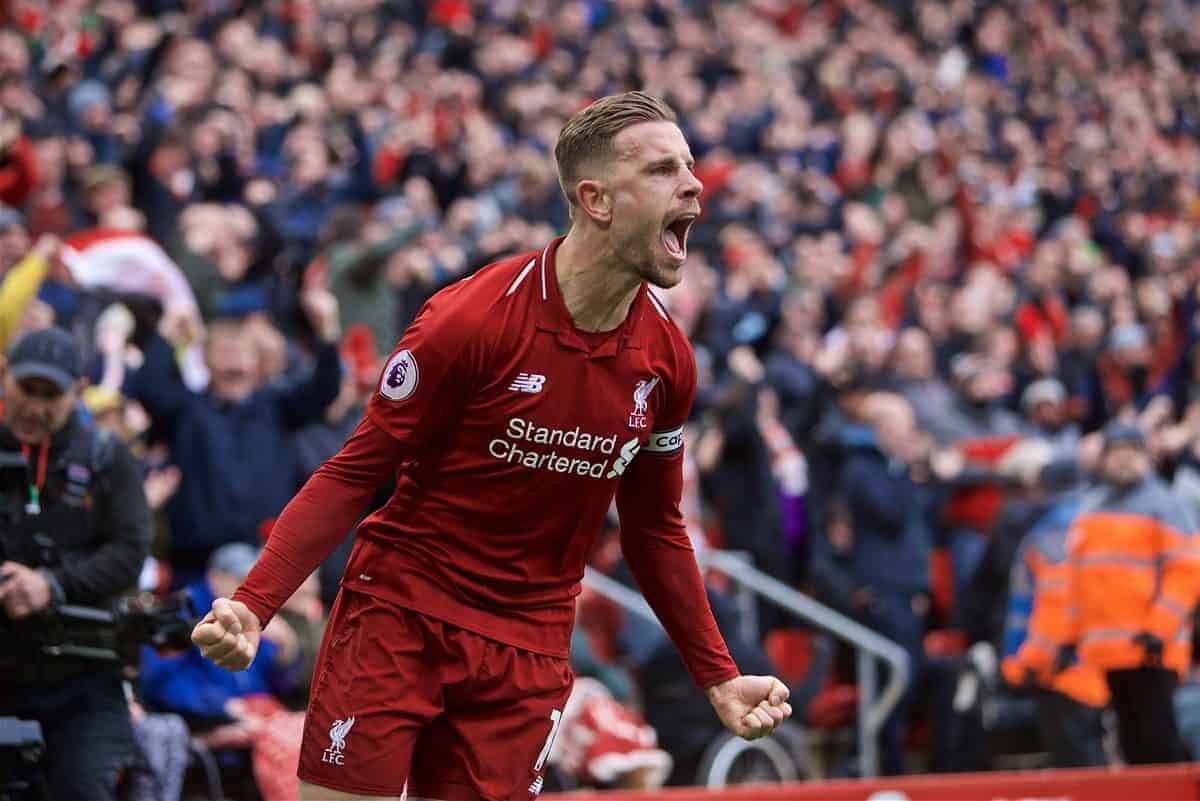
934, 231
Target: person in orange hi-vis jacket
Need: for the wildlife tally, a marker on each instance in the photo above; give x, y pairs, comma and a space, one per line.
1134, 578
1039, 657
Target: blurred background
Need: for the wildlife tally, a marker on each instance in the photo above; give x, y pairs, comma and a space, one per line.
944, 288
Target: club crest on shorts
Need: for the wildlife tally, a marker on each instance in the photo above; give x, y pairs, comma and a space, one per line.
337, 741
641, 392
399, 377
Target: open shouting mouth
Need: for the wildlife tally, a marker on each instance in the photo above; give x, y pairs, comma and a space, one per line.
674, 235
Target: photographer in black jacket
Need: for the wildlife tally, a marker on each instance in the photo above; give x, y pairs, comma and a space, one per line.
74, 529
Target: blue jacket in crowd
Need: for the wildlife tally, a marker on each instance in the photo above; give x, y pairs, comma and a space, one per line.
237, 459
890, 516
195, 687
1049, 535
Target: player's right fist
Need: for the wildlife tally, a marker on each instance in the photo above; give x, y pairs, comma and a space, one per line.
228, 634
751, 706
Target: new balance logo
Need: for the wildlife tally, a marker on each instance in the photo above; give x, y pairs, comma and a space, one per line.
528, 382
536, 787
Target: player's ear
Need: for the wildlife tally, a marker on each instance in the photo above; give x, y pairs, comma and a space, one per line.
595, 201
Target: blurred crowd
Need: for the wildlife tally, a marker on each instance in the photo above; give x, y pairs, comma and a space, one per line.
946, 247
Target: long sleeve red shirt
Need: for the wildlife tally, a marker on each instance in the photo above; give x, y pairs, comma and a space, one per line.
510, 433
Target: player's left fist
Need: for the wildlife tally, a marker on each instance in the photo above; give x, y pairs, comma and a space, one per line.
751, 706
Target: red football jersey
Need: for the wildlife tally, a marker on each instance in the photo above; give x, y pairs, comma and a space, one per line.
513, 434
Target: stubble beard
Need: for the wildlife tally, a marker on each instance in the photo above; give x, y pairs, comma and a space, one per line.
1123, 479
661, 277
646, 261
652, 270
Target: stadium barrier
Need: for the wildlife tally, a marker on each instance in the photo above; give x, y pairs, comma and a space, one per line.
874, 705
1165, 783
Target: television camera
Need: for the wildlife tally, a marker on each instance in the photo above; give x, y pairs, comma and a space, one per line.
67, 634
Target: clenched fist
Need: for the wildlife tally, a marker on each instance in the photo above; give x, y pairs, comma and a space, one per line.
228, 634
751, 706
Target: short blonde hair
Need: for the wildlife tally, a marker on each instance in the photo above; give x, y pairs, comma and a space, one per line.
588, 136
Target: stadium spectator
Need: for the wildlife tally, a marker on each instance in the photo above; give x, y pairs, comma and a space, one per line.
789, 361
1038, 651
1044, 404
191, 686
915, 377
1132, 588
22, 279
739, 481
366, 266
983, 605
14, 238
18, 161
876, 565
232, 443
76, 529
984, 382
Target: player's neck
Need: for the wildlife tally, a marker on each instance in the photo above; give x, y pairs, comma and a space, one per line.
596, 287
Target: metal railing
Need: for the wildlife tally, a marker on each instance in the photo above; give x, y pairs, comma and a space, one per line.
618, 593
872, 711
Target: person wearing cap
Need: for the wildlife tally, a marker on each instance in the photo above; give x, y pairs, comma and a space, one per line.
1122, 376
89, 105
982, 384
75, 529
1134, 565
1044, 404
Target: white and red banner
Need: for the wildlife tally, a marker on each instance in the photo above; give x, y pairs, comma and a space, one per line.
127, 261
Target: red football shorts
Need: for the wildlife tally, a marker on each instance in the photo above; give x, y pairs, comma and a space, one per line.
400, 697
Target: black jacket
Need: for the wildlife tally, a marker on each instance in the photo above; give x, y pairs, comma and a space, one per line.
892, 519
93, 530
984, 604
